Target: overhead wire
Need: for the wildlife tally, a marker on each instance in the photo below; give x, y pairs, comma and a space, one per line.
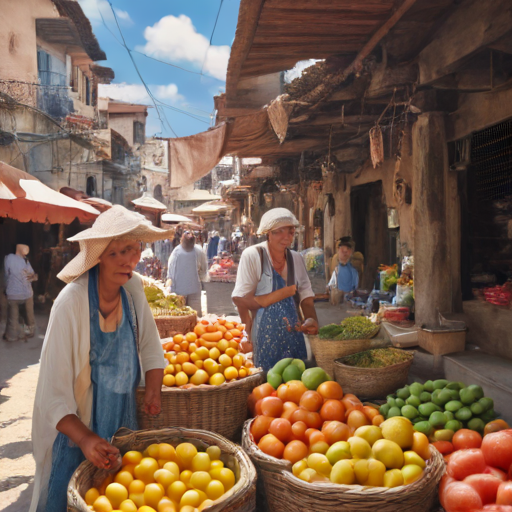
211, 37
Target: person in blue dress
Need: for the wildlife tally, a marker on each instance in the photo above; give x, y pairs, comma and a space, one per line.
100, 343
273, 294
344, 278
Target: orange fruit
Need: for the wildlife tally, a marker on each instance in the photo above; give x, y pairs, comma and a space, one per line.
191, 337
178, 338
330, 390
182, 357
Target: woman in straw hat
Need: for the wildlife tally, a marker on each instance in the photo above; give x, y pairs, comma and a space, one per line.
273, 293
100, 342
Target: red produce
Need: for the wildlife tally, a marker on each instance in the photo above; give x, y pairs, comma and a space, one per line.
504, 496
444, 447
497, 449
496, 472
494, 508
466, 462
460, 497
485, 485
445, 481
465, 438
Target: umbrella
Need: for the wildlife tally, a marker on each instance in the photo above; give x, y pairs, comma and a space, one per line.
100, 204
24, 198
174, 217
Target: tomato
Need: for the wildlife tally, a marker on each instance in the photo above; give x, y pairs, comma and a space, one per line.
356, 419
262, 391
312, 401
370, 412
288, 409
497, 449
444, 447
270, 445
447, 458
271, 406
466, 462
485, 485
495, 426
498, 473
315, 436
251, 403
291, 391
295, 451
351, 401
257, 407
299, 430
335, 431
259, 427
313, 420
460, 497
299, 414
282, 429
377, 420
465, 438
445, 481
496, 508
332, 410
330, 390
504, 494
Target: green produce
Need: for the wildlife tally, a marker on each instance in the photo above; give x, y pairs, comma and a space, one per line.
427, 409
476, 424
292, 372
464, 414
453, 406
441, 396
280, 366
162, 305
437, 419
285, 370
391, 401
352, 328
429, 386
416, 389
476, 409
488, 416
440, 383
384, 409
486, 403
454, 394
414, 401
409, 412
403, 393
453, 425
300, 364
423, 426
274, 379
478, 392
444, 435
313, 377
425, 396
449, 415
457, 386
394, 411
399, 402
467, 397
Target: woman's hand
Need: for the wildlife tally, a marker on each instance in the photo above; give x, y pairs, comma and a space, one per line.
310, 326
245, 347
100, 452
152, 397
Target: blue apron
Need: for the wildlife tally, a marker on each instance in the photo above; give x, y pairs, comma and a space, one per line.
115, 375
275, 331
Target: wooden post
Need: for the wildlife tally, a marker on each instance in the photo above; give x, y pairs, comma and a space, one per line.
432, 253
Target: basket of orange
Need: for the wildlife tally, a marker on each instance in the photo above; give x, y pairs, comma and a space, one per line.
168, 470
207, 381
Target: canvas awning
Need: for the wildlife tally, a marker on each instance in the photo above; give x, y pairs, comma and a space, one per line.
100, 204
149, 202
213, 207
24, 198
174, 217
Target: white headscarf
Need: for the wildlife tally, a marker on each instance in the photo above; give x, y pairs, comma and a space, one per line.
275, 219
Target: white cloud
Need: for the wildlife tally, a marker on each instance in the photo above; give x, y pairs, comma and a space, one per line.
176, 39
92, 10
296, 71
136, 93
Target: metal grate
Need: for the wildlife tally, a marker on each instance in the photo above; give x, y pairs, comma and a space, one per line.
491, 159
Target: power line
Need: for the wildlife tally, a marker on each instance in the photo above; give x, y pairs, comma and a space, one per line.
211, 37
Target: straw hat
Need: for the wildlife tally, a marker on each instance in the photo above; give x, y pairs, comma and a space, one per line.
118, 223
275, 219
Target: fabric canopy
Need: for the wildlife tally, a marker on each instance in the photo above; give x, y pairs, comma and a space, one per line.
174, 217
146, 201
100, 204
213, 207
24, 198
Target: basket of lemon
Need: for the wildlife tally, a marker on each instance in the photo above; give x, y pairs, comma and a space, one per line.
168, 470
206, 383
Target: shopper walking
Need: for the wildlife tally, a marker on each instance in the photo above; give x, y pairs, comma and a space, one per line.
19, 276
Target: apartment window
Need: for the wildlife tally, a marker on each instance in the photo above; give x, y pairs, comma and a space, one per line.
50, 71
87, 91
138, 133
157, 193
91, 186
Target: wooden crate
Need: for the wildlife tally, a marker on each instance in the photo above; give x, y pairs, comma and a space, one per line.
440, 342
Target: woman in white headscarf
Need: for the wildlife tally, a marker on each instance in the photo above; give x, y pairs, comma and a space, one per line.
273, 293
100, 342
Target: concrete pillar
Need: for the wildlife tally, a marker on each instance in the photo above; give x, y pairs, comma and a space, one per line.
436, 236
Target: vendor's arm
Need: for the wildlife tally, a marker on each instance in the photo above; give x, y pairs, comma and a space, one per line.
310, 325
267, 300
152, 397
95, 449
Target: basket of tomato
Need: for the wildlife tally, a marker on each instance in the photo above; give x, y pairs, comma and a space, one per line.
321, 450
207, 381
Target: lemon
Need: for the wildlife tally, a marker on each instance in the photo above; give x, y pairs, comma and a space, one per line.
211, 366
214, 452
176, 490
214, 353
154, 451
91, 495
201, 462
215, 489
181, 379
411, 457
238, 361
137, 498
242, 372
128, 506
169, 369
189, 368
191, 337
225, 360
399, 430
191, 498
102, 504
166, 505
227, 477
200, 364
199, 480
200, 377
153, 493
231, 352
411, 473
124, 478
203, 353
169, 380
173, 468
177, 368
192, 348
166, 451
194, 357
132, 457
136, 487
230, 373
389, 453
186, 452
205, 504
299, 467
146, 508
217, 379
165, 477
223, 345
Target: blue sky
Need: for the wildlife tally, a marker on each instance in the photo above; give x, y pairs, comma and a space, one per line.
175, 31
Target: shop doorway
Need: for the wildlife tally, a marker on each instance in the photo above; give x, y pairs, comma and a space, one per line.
370, 229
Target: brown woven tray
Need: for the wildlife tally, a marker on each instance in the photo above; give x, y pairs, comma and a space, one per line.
170, 325
371, 383
240, 498
221, 409
286, 493
326, 351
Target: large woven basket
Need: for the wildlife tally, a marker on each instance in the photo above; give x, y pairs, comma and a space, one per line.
326, 351
286, 493
221, 409
241, 497
371, 383
170, 325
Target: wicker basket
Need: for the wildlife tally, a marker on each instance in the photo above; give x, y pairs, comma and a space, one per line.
286, 493
371, 383
171, 325
221, 409
326, 351
241, 497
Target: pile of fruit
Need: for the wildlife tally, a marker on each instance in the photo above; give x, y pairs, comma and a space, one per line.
294, 369
165, 305
377, 358
352, 328
209, 355
164, 479
329, 436
439, 408
479, 474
